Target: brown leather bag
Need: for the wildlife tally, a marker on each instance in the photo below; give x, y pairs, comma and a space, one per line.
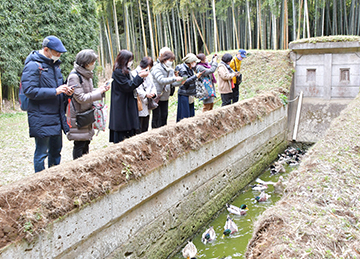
139, 103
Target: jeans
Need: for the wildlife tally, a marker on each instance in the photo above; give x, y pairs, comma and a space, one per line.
47, 147
80, 148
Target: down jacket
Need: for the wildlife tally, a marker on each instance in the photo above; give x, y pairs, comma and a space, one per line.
189, 87
46, 111
163, 77
82, 100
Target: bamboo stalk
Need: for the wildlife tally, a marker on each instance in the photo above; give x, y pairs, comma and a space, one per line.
207, 50
151, 32
235, 27
116, 26
143, 29
299, 22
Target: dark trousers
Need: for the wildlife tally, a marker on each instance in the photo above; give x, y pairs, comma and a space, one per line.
185, 109
160, 115
226, 99
80, 148
144, 124
49, 147
235, 97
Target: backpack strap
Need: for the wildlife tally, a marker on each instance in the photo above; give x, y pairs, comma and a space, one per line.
78, 74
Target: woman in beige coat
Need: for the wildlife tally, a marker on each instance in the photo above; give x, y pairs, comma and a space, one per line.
82, 100
225, 84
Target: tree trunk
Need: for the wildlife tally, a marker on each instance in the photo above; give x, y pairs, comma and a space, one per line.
323, 20
151, 31
118, 47
294, 20
299, 22
249, 22
184, 28
307, 19
334, 27
108, 36
181, 34
156, 36
102, 56
215, 32
143, 29
174, 33
235, 27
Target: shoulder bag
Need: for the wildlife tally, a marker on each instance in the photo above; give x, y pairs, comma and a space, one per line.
85, 118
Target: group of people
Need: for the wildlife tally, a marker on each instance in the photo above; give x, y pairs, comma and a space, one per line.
54, 105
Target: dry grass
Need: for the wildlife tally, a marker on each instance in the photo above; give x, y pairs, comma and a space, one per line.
336, 38
319, 215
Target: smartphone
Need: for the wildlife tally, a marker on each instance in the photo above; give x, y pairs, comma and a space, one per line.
184, 78
73, 86
108, 82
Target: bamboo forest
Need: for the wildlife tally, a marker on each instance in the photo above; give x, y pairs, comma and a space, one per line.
211, 26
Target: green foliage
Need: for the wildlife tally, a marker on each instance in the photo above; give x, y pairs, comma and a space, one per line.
25, 23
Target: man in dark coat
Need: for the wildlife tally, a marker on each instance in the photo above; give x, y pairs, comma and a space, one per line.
42, 84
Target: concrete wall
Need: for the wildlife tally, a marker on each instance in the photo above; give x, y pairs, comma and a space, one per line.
328, 74
153, 215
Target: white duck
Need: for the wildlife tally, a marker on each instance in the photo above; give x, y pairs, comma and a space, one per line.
236, 210
262, 197
209, 235
189, 251
230, 227
278, 186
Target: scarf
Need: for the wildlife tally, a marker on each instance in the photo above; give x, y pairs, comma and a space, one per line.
206, 65
228, 67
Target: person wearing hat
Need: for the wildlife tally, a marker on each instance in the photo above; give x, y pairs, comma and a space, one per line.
43, 85
235, 64
188, 89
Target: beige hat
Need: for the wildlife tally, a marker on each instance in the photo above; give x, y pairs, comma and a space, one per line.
190, 58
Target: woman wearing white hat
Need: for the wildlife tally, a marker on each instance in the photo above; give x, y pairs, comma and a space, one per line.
186, 109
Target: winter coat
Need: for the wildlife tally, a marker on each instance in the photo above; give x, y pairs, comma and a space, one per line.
224, 80
237, 62
189, 87
148, 87
46, 111
82, 100
163, 77
124, 114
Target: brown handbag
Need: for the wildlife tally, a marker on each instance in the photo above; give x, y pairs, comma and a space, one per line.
139, 103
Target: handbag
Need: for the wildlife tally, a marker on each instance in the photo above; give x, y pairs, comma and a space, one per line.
210, 89
172, 90
139, 103
85, 118
239, 77
152, 104
200, 89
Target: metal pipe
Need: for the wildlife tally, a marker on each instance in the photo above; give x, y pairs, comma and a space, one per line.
297, 119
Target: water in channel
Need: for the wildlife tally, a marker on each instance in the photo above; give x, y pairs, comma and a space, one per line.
234, 246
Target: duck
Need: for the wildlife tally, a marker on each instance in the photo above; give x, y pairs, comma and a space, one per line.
240, 211
278, 186
259, 187
189, 251
230, 227
262, 197
208, 236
